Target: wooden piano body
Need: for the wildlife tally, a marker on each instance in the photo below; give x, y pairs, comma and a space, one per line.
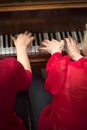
41, 16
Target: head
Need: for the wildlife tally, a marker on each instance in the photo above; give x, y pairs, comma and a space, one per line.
84, 50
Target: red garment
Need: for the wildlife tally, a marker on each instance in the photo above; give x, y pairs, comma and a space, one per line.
67, 81
13, 78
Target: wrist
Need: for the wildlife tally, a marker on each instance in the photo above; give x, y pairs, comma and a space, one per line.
76, 57
55, 52
21, 49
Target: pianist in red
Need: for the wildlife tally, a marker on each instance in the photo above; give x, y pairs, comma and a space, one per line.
67, 82
15, 75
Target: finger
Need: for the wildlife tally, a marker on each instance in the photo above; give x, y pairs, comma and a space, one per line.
67, 41
26, 32
72, 41
86, 26
31, 39
42, 49
54, 40
44, 43
29, 34
13, 38
62, 41
75, 41
47, 41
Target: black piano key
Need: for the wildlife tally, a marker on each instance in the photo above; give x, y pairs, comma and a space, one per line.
12, 40
37, 37
65, 34
33, 43
78, 37
4, 42
49, 36
70, 34
54, 36
61, 36
82, 33
9, 43
42, 37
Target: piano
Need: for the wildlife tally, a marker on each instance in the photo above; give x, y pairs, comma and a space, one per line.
45, 19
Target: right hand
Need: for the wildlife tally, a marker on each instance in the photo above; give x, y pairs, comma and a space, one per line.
73, 49
84, 50
52, 46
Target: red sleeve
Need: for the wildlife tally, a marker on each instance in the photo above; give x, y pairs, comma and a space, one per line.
24, 77
14, 74
81, 63
56, 71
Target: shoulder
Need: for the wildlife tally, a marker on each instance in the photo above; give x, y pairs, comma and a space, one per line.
10, 64
8, 61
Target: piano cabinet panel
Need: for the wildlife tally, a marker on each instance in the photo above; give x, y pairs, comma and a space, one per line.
43, 20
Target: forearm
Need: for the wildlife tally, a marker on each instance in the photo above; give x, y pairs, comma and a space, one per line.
23, 58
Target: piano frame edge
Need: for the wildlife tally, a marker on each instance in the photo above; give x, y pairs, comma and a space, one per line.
39, 6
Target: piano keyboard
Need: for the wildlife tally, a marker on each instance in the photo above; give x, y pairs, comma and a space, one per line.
7, 46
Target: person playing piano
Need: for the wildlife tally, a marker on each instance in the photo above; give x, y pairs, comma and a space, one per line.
15, 76
67, 82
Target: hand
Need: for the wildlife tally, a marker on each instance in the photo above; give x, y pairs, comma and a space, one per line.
84, 50
73, 49
52, 46
23, 40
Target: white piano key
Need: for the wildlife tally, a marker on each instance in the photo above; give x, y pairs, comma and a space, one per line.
45, 36
51, 34
2, 46
81, 39
7, 48
14, 50
74, 35
36, 44
67, 33
59, 36
40, 39
56, 33
33, 49
29, 49
11, 46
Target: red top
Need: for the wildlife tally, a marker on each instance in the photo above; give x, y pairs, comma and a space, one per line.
13, 78
67, 82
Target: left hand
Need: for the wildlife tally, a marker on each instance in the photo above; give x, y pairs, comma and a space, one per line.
23, 40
